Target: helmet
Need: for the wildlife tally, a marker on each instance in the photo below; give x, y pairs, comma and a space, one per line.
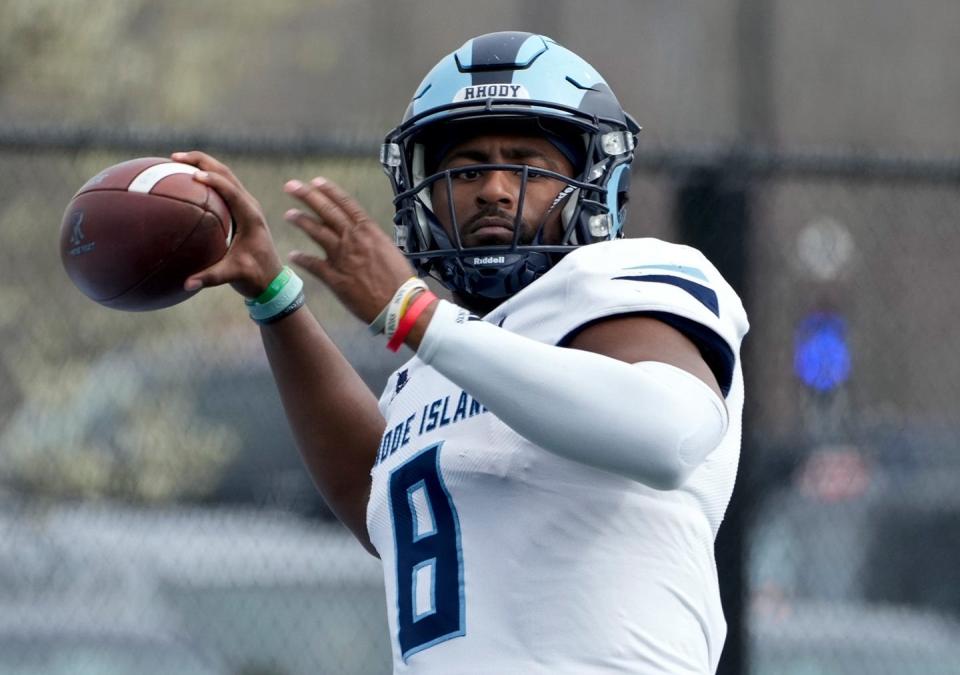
527, 81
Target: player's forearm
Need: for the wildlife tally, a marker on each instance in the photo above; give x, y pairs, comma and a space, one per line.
651, 422
333, 414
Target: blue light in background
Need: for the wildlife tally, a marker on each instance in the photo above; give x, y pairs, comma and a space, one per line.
822, 358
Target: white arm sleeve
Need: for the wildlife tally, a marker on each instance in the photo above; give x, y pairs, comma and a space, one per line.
649, 421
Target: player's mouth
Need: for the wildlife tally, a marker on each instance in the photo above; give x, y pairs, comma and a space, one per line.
489, 230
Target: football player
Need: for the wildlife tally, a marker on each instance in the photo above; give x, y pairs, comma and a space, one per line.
544, 479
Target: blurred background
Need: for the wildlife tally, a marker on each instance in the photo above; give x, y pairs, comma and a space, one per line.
154, 513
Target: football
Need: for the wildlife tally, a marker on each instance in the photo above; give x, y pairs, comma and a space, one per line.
137, 230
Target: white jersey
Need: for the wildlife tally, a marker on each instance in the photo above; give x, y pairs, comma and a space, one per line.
501, 557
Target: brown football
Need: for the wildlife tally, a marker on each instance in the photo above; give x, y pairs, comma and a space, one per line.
133, 233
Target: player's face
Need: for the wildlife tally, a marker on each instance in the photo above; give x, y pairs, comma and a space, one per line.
485, 202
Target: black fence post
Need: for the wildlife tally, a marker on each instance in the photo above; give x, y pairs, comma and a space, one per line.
713, 215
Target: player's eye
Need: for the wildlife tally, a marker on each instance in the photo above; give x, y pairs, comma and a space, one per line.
467, 175
537, 177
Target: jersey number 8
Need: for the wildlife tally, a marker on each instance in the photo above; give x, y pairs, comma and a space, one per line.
426, 531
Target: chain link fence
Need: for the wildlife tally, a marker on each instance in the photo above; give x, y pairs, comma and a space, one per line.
852, 519
157, 518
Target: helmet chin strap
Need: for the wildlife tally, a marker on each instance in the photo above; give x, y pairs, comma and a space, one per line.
566, 216
568, 197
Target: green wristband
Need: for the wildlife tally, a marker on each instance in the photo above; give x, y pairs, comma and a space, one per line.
273, 289
279, 302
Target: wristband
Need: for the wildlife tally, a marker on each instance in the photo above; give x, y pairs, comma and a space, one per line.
281, 301
397, 305
420, 303
297, 303
272, 289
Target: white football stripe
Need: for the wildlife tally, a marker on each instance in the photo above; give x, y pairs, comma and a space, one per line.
147, 179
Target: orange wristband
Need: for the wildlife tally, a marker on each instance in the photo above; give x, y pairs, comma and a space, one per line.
420, 303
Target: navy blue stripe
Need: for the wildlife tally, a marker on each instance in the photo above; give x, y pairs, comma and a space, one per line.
705, 295
493, 55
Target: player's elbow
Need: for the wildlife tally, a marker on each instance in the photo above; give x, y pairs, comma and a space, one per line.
663, 478
676, 446
656, 467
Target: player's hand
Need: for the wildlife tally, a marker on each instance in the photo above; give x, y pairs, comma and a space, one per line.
363, 267
252, 261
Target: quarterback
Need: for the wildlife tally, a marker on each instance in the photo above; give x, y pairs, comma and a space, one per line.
544, 479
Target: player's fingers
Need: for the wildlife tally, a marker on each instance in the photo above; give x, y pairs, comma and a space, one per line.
242, 206
328, 213
344, 201
324, 236
216, 275
205, 162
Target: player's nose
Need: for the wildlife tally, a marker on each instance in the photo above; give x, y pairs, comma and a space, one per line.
497, 187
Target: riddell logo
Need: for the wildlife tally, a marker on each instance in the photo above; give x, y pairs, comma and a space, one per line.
490, 260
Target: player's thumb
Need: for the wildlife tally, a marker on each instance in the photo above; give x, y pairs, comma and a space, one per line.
215, 275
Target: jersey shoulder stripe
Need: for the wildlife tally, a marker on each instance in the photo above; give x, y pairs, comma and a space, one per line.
673, 283
704, 294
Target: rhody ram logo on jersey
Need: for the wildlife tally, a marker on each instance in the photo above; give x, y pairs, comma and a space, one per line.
402, 378
484, 91
490, 260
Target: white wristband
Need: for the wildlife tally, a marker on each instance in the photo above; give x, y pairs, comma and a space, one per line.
389, 317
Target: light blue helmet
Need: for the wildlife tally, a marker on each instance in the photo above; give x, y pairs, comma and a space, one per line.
510, 78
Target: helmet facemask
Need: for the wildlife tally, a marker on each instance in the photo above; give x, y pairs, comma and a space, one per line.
490, 269
549, 93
